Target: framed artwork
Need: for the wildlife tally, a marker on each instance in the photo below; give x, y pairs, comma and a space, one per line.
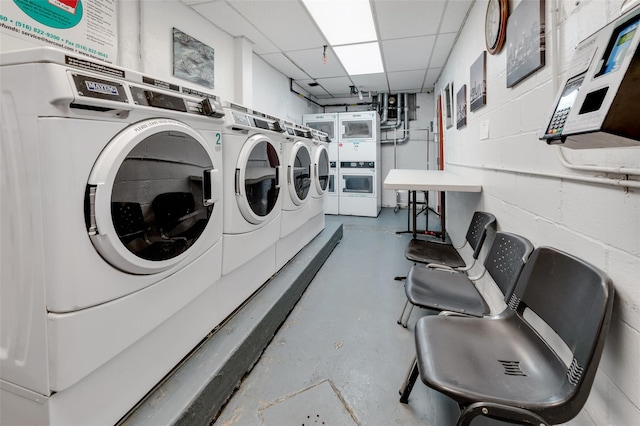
461, 107
525, 41
448, 105
478, 83
192, 60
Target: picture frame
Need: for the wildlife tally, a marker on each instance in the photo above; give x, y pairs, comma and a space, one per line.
448, 105
525, 41
478, 83
193, 60
461, 107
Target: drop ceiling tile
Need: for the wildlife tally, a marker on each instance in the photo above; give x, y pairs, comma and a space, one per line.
229, 20
371, 82
285, 23
284, 65
406, 81
443, 47
432, 77
310, 61
405, 18
454, 15
407, 53
317, 91
337, 86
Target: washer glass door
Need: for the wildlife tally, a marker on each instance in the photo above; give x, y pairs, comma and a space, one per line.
150, 196
321, 169
299, 173
257, 180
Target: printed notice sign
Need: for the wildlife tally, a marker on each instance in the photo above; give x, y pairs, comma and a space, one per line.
87, 27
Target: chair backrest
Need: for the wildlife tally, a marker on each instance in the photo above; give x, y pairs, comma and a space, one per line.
478, 228
505, 260
575, 299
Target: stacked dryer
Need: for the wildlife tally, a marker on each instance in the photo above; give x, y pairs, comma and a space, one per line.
360, 183
111, 234
328, 123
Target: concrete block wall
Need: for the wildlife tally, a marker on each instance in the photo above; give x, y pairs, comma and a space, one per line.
531, 192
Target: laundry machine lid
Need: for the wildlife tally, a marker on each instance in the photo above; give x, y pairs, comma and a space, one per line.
299, 173
150, 196
257, 180
321, 169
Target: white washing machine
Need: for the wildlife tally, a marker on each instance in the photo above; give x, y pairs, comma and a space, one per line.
111, 227
296, 206
328, 123
296, 159
320, 181
253, 195
321, 171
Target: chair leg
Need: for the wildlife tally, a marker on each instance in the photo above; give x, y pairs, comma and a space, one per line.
409, 382
406, 320
404, 308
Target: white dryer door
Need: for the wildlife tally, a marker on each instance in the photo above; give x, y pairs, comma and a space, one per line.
150, 195
257, 180
299, 173
321, 169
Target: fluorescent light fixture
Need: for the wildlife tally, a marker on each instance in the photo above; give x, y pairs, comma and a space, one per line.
343, 21
360, 59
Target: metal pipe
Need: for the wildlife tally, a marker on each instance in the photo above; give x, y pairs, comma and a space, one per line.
303, 96
384, 116
404, 122
398, 122
621, 170
599, 180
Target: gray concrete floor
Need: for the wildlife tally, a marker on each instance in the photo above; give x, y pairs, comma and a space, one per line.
340, 357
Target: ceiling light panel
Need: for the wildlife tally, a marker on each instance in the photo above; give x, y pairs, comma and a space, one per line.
343, 22
360, 58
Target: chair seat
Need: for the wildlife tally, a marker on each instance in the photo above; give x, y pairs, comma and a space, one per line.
498, 359
444, 291
423, 251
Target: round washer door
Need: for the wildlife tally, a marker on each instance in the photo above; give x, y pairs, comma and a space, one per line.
299, 173
257, 180
321, 169
150, 196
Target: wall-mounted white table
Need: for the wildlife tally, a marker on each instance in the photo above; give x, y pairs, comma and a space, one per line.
429, 180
